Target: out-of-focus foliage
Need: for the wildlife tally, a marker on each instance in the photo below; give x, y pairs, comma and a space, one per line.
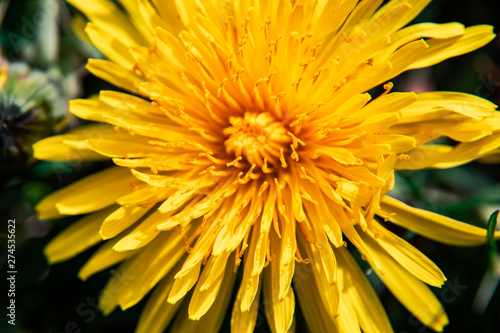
30, 108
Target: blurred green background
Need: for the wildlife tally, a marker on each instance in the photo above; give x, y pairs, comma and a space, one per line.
53, 299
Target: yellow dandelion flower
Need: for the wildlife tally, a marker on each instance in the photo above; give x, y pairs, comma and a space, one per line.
248, 142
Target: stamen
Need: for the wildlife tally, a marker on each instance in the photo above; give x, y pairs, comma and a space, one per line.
204, 172
388, 87
307, 197
235, 162
306, 176
295, 140
299, 257
294, 154
265, 169
263, 188
282, 159
212, 159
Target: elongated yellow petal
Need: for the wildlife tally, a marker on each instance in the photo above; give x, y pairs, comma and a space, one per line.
347, 321
169, 14
419, 31
244, 321
115, 75
370, 313
436, 105
206, 292
330, 293
144, 233
434, 226
144, 271
87, 195
249, 284
408, 256
422, 157
103, 258
410, 291
57, 148
110, 17
308, 294
157, 313
416, 6
398, 143
279, 312
439, 50
212, 320
467, 151
78, 237
118, 53
184, 284
121, 219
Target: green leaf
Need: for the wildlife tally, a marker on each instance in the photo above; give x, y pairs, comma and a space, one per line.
490, 235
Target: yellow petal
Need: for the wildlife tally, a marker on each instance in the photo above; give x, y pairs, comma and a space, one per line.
249, 284
434, 226
86, 195
340, 155
279, 312
332, 16
408, 256
419, 31
388, 103
212, 320
442, 49
410, 291
422, 157
438, 104
138, 20
244, 322
287, 257
442, 157
144, 196
131, 113
347, 320
309, 295
110, 18
170, 16
148, 267
112, 46
56, 148
78, 237
103, 258
200, 249
205, 292
120, 220
467, 151
386, 69
123, 145
416, 6
330, 293
184, 284
398, 143
115, 74
365, 302
144, 233
157, 313
321, 250
455, 127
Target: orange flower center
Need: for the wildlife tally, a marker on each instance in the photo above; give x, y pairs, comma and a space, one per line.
258, 138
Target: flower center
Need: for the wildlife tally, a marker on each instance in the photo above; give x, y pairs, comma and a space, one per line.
258, 138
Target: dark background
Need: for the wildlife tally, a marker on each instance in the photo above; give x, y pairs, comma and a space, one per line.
47, 297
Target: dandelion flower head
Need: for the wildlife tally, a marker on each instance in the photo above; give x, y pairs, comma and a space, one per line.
247, 142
